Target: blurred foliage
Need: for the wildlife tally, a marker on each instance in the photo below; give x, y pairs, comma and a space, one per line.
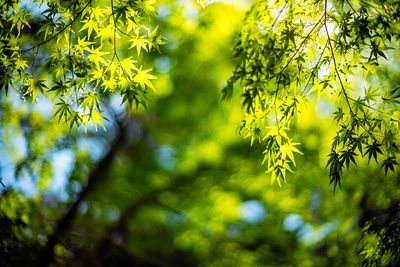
175, 184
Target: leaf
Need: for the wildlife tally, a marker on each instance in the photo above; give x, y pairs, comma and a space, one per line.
21, 64
33, 87
127, 64
153, 39
147, 5
278, 131
89, 25
347, 156
358, 105
96, 56
5, 82
143, 78
60, 87
335, 169
373, 150
63, 111
388, 164
131, 25
82, 45
338, 115
371, 94
97, 12
227, 91
75, 119
89, 101
97, 119
97, 75
139, 42
288, 149
107, 33
132, 97
110, 84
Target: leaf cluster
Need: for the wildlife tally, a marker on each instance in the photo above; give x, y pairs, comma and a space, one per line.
288, 52
79, 54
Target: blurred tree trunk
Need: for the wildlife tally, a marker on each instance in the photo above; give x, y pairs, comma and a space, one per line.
97, 175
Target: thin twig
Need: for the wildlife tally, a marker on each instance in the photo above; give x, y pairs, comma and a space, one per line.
372, 108
352, 113
315, 67
60, 31
301, 45
115, 28
351, 6
334, 60
287, 64
277, 17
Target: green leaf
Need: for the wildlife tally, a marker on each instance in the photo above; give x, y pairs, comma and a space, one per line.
373, 150
90, 100
143, 78
63, 111
388, 164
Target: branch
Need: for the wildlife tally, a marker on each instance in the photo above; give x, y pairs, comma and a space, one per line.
302, 43
334, 60
347, 98
277, 17
3, 185
98, 174
121, 227
314, 69
351, 6
60, 31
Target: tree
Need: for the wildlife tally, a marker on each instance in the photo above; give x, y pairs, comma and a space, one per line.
173, 185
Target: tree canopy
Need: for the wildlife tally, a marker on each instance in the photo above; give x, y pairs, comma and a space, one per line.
169, 178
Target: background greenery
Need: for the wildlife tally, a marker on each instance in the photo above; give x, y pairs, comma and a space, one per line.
175, 184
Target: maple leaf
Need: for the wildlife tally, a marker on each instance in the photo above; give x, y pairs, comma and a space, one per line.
21, 64
90, 25
139, 42
97, 12
107, 33
110, 84
96, 75
97, 119
143, 78
96, 56
131, 25
90, 100
287, 151
127, 64
82, 45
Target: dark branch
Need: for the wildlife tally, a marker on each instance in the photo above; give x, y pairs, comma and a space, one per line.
2, 184
98, 174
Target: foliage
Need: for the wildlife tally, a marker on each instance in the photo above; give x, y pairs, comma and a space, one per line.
290, 51
173, 184
14, 236
78, 54
382, 236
